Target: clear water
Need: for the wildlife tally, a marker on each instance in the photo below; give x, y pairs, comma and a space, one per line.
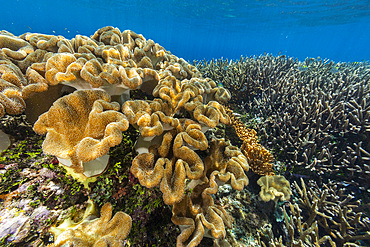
204, 29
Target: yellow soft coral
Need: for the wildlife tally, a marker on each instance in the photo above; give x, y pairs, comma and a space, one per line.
11, 83
168, 169
103, 231
14, 47
83, 139
274, 188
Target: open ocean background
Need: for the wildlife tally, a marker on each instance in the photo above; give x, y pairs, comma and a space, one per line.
206, 29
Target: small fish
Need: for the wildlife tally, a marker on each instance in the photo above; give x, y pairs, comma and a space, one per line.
303, 68
220, 84
334, 70
29, 27
299, 175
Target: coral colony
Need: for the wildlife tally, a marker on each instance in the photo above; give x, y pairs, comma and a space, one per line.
132, 134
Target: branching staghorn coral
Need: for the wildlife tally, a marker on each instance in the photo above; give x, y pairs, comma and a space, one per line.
322, 217
249, 76
314, 115
330, 212
307, 235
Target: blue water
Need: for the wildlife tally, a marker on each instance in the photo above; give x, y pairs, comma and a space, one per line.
198, 29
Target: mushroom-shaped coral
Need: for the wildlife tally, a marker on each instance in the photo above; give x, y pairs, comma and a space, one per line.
80, 44
98, 74
160, 166
11, 101
63, 67
12, 74
80, 128
197, 214
210, 115
177, 93
103, 231
43, 41
11, 83
33, 58
226, 163
13, 46
108, 35
150, 117
274, 188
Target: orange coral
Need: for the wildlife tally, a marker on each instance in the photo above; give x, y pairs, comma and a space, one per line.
197, 213
259, 158
169, 167
11, 83
81, 140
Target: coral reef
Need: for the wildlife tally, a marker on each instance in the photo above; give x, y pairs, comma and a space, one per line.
155, 134
82, 126
31, 180
313, 115
197, 213
34, 190
151, 218
12, 82
324, 215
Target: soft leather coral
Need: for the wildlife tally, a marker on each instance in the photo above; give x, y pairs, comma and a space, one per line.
274, 188
97, 232
87, 137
